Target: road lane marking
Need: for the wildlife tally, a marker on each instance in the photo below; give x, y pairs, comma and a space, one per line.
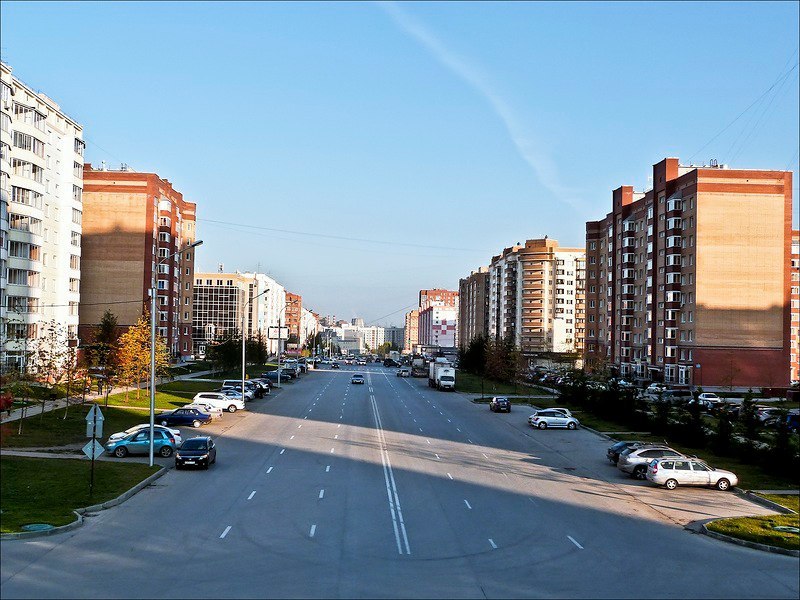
283, 450
420, 428
571, 539
269, 470
458, 428
253, 493
313, 531
340, 416
469, 440
299, 426
291, 438
428, 441
491, 541
339, 425
224, 533
450, 476
505, 474
321, 494
327, 469
467, 503
398, 525
484, 455
449, 421
331, 450
437, 457
336, 437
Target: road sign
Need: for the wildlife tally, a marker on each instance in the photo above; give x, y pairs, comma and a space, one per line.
93, 449
94, 422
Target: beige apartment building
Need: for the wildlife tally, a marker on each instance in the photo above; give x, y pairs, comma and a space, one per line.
473, 306
536, 297
689, 282
411, 331
132, 224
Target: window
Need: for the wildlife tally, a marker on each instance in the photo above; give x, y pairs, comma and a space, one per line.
80, 145
164, 237
162, 284
186, 301
25, 223
26, 196
75, 238
77, 216
24, 141
77, 193
74, 285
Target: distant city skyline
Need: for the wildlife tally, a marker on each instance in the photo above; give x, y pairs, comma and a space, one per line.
359, 153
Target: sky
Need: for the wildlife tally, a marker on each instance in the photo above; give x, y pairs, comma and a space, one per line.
360, 152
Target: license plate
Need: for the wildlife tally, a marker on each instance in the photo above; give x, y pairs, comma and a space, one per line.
189, 462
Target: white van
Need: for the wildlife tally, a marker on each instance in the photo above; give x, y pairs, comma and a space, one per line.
219, 400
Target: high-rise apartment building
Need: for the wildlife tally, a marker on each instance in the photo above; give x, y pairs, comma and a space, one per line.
395, 336
41, 165
437, 297
411, 335
536, 293
293, 309
690, 282
438, 326
473, 306
794, 329
133, 223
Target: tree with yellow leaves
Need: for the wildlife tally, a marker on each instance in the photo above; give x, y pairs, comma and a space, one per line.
134, 355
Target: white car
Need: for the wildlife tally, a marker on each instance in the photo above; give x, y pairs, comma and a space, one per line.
563, 411
175, 433
214, 411
220, 400
671, 473
551, 417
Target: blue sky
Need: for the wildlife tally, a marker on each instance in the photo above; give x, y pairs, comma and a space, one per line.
422, 138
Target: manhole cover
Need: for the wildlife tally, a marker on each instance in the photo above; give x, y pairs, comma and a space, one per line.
37, 527
786, 528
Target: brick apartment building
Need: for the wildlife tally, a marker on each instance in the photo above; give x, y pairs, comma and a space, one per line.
437, 297
294, 311
473, 306
411, 331
131, 223
689, 282
536, 297
794, 335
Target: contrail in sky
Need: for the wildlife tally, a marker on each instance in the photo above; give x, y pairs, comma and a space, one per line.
542, 165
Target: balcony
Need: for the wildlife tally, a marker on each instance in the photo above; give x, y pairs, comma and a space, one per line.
628, 257
674, 241
675, 205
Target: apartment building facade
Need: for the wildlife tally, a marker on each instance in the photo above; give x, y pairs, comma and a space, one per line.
689, 283
222, 305
437, 297
395, 336
411, 331
293, 309
536, 297
41, 164
438, 326
473, 306
794, 302
136, 229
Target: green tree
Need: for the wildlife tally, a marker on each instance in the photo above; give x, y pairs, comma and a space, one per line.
723, 440
473, 358
748, 418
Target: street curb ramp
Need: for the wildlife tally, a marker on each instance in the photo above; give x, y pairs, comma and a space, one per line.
80, 512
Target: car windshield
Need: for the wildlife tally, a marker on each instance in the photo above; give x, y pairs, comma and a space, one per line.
194, 445
619, 445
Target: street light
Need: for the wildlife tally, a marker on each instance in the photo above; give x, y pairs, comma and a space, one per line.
283, 310
244, 313
153, 292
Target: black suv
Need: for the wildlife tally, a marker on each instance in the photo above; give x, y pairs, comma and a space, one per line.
499, 403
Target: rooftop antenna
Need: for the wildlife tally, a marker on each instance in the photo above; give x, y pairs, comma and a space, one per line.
220, 268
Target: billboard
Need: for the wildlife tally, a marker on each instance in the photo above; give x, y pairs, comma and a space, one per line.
278, 333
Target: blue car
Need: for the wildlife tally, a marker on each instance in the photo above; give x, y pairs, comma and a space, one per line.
183, 416
139, 443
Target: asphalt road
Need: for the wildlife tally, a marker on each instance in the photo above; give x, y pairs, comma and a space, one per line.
391, 489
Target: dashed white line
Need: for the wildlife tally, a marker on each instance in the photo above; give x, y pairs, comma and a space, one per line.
437, 457
224, 533
336, 437
458, 429
327, 469
253, 493
339, 425
313, 531
469, 440
420, 428
291, 438
269, 470
468, 504
450, 476
491, 541
331, 450
299, 426
449, 421
571, 539
484, 455
283, 450
428, 441
321, 494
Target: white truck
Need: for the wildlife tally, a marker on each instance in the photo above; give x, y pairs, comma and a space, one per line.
441, 375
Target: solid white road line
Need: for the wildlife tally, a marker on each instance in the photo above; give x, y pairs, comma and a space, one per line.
313, 531
468, 505
224, 533
321, 494
571, 539
283, 450
491, 541
269, 470
253, 493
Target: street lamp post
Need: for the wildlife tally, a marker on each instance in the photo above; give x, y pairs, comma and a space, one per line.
283, 310
244, 313
153, 292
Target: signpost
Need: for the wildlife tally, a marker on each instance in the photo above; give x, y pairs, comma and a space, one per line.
94, 429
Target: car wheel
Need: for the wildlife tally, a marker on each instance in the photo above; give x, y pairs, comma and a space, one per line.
196, 423
177, 466
231, 409
121, 452
723, 485
166, 451
571, 425
640, 472
671, 484
509, 409
542, 425
164, 423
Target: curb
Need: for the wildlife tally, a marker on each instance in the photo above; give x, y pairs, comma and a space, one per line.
80, 512
755, 498
747, 544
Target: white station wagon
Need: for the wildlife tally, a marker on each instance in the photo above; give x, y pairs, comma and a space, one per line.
672, 472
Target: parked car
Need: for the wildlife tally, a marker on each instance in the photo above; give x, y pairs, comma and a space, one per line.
236, 384
615, 450
175, 433
222, 400
564, 411
196, 451
232, 394
671, 473
273, 375
767, 413
655, 389
499, 403
357, 378
404, 372
542, 419
139, 443
335, 365
264, 384
183, 416
634, 461
214, 411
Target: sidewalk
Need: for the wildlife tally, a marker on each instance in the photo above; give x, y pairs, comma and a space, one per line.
36, 408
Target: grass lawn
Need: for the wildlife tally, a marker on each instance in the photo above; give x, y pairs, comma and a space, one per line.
47, 490
471, 384
187, 385
51, 429
761, 529
252, 371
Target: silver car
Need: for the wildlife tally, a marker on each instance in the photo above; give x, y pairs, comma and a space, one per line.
542, 419
634, 461
672, 472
